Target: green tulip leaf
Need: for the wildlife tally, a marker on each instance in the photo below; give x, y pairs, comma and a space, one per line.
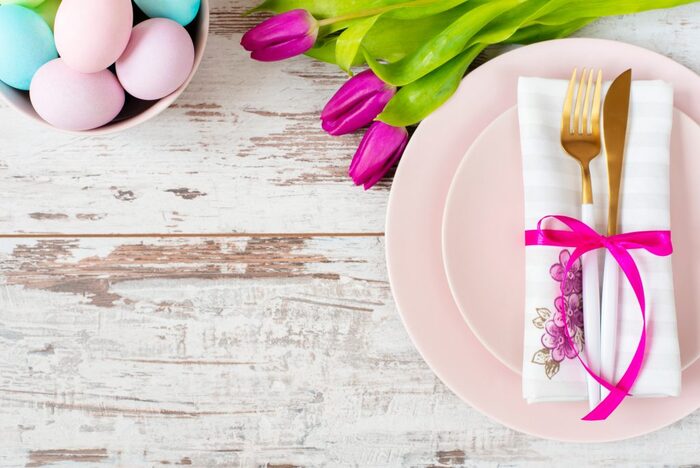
578, 9
324, 50
404, 9
349, 42
512, 20
423, 9
443, 47
419, 99
323, 8
539, 32
393, 39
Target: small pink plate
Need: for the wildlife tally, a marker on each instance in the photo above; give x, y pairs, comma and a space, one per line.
414, 241
483, 238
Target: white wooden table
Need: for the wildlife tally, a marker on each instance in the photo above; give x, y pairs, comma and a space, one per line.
279, 345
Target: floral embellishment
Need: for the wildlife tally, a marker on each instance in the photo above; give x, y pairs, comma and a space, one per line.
554, 339
573, 281
556, 348
572, 306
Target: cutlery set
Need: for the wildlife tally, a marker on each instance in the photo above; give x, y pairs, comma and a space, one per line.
581, 139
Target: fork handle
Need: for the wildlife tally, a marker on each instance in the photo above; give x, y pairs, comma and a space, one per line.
591, 311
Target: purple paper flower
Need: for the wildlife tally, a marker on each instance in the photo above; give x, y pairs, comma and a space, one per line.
381, 148
282, 36
573, 281
356, 104
572, 306
555, 340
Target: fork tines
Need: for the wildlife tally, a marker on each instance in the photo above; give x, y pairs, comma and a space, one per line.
586, 115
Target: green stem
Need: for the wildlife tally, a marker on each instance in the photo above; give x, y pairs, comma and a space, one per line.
374, 11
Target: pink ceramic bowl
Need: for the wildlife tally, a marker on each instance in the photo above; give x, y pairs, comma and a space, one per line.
135, 111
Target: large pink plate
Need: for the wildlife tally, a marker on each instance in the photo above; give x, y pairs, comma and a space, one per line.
414, 251
485, 259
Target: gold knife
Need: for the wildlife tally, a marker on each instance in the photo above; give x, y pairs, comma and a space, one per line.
615, 117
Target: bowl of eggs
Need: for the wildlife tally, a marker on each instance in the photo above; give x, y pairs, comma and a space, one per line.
98, 66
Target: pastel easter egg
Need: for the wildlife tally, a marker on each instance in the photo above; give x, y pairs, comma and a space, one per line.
157, 60
26, 43
92, 34
71, 100
181, 11
26, 3
47, 10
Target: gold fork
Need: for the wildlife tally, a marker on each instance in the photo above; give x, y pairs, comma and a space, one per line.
580, 138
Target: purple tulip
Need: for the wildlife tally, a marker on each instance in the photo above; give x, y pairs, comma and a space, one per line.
381, 148
356, 104
282, 36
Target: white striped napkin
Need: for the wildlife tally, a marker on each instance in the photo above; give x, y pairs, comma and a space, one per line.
553, 186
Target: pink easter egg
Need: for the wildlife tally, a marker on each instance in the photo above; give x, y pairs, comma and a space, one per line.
92, 34
72, 100
157, 60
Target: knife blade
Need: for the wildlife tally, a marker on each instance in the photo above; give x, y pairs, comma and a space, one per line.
615, 116
615, 119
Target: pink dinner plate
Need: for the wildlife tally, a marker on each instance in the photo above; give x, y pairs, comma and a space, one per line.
414, 245
485, 261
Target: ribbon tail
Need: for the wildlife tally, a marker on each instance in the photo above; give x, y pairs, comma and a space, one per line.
614, 399
606, 407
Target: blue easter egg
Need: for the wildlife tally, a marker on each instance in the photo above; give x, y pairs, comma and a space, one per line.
180, 11
26, 43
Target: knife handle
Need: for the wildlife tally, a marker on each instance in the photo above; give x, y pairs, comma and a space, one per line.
591, 311
609, 319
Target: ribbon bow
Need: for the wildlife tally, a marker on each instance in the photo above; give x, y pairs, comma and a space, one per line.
582, 238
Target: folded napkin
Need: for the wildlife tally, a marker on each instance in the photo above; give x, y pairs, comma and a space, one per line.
553, 187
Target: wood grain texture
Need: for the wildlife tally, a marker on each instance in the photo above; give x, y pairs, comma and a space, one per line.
239, 353
280, 347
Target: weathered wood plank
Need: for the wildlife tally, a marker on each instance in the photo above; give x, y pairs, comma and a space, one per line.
239, 353
282, 350
240, 151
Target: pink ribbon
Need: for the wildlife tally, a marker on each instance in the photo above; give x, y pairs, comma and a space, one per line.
582, 238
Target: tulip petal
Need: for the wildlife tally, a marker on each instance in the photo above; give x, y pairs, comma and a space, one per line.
282, 36
380, 149
278, 29
361, 114
357, 88
380, 173
284, 50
